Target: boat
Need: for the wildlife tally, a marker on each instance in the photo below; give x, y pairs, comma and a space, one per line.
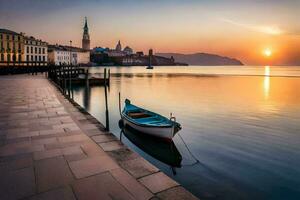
161, 150
149, 122
149, 67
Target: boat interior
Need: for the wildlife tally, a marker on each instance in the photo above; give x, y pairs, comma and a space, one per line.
145, 117
137, 114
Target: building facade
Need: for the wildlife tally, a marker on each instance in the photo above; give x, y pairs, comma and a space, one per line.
11, 46
65, 55
86, 37
36, 51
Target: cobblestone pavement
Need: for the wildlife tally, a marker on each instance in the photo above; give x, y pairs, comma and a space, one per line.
51, 149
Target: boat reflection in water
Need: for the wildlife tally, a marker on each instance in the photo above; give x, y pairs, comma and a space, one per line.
164, 151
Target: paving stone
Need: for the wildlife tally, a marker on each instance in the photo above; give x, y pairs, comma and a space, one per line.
176, 193
72, 150
73, 138
131, 184
75, 157
44, 141
52, 173
123, 154
51, 132
102, 186
91, 149
89, 126
22, 134
158, 182
111, 146
64, 193
20, 162
104, 138
47, 154
139, 167
12, 150
17, 184
94, 132
92, 166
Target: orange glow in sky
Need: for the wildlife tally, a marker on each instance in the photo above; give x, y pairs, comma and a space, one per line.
237, 29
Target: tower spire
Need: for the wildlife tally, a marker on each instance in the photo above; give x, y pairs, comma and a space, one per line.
86, 36
85, 24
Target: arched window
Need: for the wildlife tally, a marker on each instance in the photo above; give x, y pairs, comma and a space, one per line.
14, 57
20, 58
8, 57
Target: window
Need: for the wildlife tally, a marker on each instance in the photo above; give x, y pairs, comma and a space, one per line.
19, 38
14, 57
27, 58
20, 58
40, 59
8, 57
7, 37
31, 49
44, 59
43, 50
31, 58
1, 36
2, 57
8, 45
35, 50
35, 58
27, 49
40, 51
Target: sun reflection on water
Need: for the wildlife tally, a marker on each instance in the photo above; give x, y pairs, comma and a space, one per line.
267, 82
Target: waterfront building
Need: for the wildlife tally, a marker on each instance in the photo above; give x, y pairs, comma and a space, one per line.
65, 55
128, 50
35, 50
86, 36
11, 46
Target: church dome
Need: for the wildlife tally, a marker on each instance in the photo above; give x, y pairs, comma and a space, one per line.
128, 50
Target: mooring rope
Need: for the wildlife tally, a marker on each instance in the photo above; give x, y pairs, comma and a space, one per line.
186, 146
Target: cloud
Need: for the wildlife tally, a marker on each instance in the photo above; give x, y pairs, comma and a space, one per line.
271, 30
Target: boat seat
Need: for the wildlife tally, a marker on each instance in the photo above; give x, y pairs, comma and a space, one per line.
138, 115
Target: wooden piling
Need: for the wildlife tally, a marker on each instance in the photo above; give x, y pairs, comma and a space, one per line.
106, 102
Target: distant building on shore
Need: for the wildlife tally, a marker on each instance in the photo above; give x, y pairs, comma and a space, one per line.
64, 55
35, 50
11, 46
86, 36
16, 47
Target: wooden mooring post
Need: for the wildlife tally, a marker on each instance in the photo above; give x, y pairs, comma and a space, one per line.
106, 102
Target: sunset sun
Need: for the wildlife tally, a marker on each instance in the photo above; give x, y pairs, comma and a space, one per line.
267, 52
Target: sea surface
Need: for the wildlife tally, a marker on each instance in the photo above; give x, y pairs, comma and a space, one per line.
242, 123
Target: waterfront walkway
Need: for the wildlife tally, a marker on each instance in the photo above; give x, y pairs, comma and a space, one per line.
50, 149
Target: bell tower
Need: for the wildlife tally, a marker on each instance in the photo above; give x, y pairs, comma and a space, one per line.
86, 36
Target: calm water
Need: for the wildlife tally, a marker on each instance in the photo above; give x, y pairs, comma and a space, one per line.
242, 124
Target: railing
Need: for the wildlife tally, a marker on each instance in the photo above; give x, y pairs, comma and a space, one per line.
22, 67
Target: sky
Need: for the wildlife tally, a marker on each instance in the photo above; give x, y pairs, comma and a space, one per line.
257, 32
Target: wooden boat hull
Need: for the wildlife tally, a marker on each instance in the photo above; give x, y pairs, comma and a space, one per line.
161, 132
149, 122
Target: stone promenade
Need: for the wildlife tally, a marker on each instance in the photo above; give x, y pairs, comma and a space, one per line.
51, 149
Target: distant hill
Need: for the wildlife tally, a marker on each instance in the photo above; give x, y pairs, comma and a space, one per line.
201, 59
